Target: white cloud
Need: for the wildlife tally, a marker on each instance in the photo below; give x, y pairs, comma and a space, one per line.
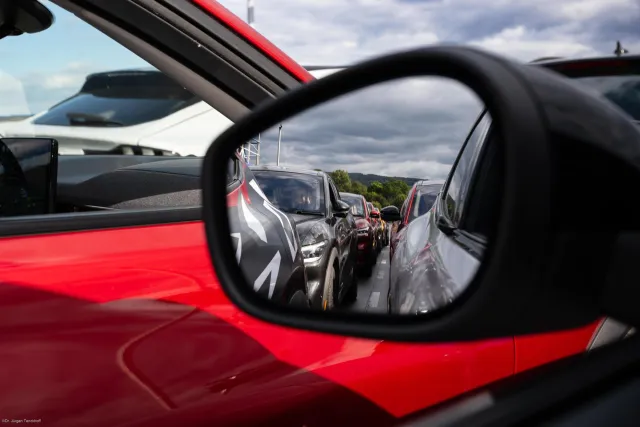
14, 101
338, 32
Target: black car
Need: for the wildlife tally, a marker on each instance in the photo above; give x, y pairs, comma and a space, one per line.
267, 246
327, 230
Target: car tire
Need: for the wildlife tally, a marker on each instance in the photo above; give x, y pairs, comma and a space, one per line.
352, 293
328, 287
368, 267
299, 299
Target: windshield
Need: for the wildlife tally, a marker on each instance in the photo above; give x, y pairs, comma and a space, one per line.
355, 202
119, 99
293, 192
624, 91
423, 199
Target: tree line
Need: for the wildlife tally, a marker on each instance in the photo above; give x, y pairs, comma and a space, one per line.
381, 194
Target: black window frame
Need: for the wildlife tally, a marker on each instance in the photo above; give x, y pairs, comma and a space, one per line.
333, 191
469, 241
444, 212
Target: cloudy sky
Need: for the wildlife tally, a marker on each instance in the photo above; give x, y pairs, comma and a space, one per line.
418, 132
412, 128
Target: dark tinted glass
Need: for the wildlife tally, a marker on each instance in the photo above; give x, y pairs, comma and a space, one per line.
355, 201
87, 109
459, 182
292, 192
423, 200
624, 91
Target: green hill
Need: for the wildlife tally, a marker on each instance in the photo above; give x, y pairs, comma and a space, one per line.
367, 179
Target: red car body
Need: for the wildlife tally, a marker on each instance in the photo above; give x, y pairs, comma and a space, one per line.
129, 326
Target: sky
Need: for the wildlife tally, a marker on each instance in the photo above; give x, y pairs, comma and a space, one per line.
410, 128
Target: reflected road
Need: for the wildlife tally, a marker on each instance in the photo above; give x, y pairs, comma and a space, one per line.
372, 291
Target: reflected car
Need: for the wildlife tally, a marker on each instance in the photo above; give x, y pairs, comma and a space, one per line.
325, 225
367, 238
419, 200
267, 246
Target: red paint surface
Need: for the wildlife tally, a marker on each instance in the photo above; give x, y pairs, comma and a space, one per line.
90, 334
88, 331
252, 36
535, 350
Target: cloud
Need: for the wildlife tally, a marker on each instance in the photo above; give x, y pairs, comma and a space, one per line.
409, 127
417, 130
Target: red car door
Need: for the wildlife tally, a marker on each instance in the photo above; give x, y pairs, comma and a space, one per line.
115, 317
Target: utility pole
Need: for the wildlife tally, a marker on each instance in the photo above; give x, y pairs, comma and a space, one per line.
279, 140
250, 13
251, 150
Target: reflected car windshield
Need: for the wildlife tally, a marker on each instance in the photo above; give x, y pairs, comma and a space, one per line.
423, 200
292, 192
356, 202
624, 91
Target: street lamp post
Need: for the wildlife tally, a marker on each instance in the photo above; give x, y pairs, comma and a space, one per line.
279, 139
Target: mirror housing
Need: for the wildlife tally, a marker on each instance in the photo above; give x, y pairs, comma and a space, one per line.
341, 209
23, 16
390, 214
539, 272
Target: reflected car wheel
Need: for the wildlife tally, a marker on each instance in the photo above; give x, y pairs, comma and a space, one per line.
328, 301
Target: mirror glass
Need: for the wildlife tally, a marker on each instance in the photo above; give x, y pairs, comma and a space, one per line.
362, 204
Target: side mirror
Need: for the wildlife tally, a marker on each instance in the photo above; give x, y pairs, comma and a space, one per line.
531, 269
390, 213
341, 209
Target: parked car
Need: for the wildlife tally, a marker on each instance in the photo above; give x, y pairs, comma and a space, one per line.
419, 200
367, 232
326, 228
111, 311
267, 244
134, 111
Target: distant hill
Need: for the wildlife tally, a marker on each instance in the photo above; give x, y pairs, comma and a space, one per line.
367, 178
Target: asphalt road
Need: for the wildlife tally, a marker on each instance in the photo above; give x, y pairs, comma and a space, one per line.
372, 291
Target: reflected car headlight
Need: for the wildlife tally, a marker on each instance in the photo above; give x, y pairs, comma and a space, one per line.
313, 253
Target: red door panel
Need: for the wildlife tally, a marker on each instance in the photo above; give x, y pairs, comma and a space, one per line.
116, 326
536, 350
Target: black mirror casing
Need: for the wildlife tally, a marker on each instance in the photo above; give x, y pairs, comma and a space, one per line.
527, 282
341, 209
390, 213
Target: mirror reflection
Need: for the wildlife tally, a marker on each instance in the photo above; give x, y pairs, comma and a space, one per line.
365, 204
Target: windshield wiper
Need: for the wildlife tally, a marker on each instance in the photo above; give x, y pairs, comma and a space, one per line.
83, 119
